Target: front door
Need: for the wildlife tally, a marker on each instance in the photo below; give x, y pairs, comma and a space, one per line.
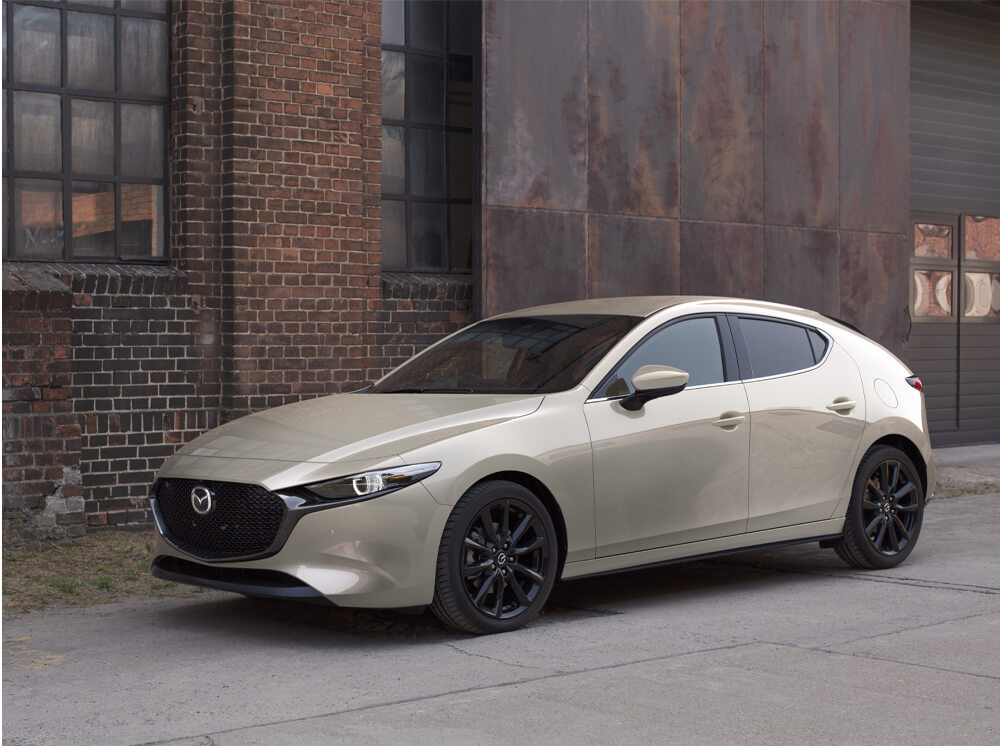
676, 470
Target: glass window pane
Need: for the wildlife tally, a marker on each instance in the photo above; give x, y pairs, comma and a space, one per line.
93, 219
426, 24
393, 234
427, 235
461, 112
37, 132
93, 137
426, 89
461, 165
982, 295
463, 27
144, 56
97, 3
142, 141
393, 85
90, 48
393, 161
38, 219
818, 342
692, 346
35, 52
148, 6
932, 240
932, 293
776, 348
982, 238
143, 230
460, 236
425, 160
392, 22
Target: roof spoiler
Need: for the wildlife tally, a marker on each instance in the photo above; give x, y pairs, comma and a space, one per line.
850, 326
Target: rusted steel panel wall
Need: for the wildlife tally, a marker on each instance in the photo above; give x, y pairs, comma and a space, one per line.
536, 104
802, 267
632, 256
801, 159
721, 259
700, 147
634, 82
722, 126
872, 295
874, 120
535, 256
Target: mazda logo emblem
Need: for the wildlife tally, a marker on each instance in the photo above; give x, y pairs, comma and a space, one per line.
201, 500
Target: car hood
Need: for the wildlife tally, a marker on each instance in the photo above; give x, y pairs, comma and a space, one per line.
351, 428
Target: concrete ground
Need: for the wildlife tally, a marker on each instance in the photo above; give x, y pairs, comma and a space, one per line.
781, 646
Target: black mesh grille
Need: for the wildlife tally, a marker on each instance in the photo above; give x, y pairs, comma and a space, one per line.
244, 520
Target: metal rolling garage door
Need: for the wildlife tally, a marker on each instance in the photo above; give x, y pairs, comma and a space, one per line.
954, 340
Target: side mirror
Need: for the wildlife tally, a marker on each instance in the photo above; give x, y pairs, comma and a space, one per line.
653, 381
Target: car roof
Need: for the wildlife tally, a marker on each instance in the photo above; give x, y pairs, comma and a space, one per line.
639, 305
647, 305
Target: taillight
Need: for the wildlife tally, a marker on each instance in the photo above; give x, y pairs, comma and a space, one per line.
914, 381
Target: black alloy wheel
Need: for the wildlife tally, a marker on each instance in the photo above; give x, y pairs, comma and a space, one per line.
497, 561
886, 511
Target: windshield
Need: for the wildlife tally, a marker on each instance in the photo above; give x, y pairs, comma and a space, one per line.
519, 355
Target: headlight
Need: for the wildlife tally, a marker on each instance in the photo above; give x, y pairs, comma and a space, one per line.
373, 483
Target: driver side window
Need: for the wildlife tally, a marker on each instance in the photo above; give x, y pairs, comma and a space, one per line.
691, 345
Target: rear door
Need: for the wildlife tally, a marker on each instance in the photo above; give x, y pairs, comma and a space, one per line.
807, 409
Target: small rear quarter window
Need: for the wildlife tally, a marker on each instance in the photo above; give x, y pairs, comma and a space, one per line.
818, 342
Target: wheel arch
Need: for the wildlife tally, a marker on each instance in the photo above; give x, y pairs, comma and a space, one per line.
908, 447
543, 493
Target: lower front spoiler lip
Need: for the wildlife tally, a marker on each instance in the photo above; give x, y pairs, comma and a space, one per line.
247, 581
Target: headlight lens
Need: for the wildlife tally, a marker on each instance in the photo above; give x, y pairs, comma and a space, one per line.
373, 483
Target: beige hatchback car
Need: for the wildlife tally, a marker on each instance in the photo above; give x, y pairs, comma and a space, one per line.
558, 442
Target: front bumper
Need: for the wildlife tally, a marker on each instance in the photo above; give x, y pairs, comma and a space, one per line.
381, 553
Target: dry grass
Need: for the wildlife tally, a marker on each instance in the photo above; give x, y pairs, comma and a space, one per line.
106, 566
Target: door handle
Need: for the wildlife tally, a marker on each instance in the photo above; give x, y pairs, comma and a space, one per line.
842, 404
729, 420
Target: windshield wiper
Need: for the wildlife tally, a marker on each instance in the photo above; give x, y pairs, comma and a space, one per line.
429, 391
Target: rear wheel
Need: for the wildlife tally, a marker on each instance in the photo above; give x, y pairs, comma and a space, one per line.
497, 560
886, 511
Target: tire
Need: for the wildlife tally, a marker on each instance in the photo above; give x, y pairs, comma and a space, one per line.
886, 511
497, 560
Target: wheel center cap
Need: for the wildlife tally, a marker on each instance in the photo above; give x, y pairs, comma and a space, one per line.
501, 559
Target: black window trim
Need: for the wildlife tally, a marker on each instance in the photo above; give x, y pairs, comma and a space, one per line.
730, 359
743, 354
65, 175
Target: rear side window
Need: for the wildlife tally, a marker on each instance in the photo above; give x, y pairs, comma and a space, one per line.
776, 348
691, 345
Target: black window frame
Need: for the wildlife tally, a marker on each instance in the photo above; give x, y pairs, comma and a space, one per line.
730, 360
743, 352
66, 175
407, 125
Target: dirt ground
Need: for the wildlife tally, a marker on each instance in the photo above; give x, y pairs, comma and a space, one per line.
106, 566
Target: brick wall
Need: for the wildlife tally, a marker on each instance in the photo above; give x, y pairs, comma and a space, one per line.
42, 493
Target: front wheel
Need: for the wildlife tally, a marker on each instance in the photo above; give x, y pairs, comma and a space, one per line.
497, 560
886, 511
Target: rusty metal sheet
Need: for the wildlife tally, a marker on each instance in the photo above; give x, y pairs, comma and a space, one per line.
535, 101
721, 259
802, 267
873, 285
532, 257
800, 100
632, 256
722, 111
633, 117
874, 124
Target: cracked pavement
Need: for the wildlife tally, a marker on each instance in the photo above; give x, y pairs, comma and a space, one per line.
777, 646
